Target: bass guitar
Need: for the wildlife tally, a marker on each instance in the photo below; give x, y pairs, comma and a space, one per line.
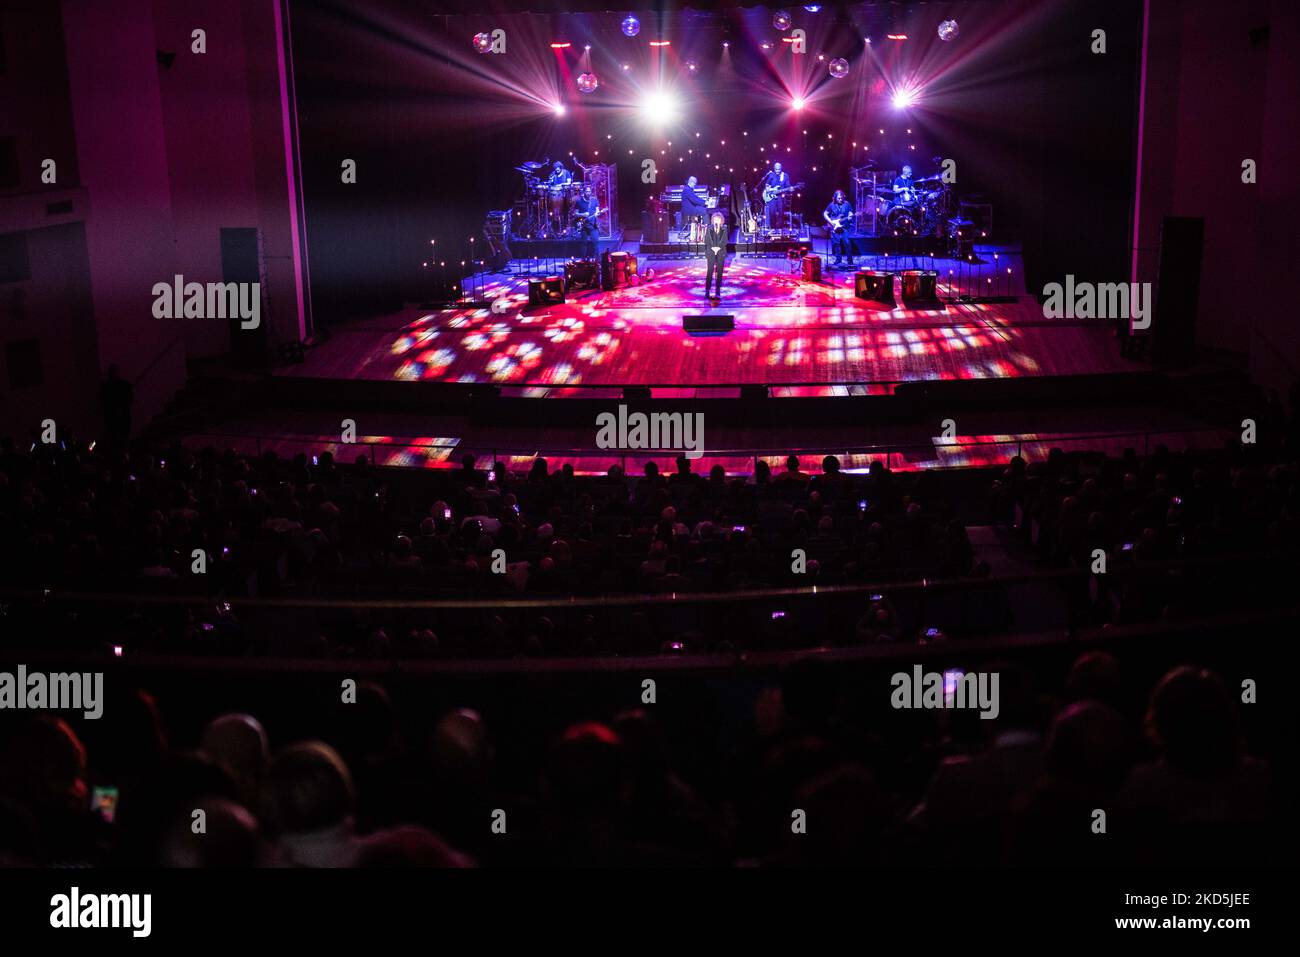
772, 192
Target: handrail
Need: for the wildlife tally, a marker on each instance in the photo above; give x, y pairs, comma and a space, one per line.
167, 348
496, 603
1276, 352
966, 649
889, 448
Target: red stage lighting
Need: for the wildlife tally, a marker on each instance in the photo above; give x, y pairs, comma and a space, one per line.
661, 43
560, 46
896, 36
797, 103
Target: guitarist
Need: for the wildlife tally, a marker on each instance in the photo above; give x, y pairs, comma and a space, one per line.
586, 212
715, 254
838, 215
774, 186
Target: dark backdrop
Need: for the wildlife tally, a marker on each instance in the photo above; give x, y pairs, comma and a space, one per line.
1035, 121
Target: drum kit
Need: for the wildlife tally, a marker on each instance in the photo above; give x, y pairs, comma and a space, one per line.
920, 210
549, 208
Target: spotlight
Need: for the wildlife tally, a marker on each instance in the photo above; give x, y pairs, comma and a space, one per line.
659, 108
559, 109
561, 45
903, 98
797, 102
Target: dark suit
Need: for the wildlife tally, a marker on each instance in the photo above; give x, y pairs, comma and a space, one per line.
715, 237
693, 205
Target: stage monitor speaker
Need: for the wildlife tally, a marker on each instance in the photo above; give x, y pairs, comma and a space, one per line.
546, 292
874, 285
920, 287
581, 274
1178, 283
241, 261
812, 268
708, 324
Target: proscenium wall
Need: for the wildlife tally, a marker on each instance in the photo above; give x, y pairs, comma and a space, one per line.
1037, 122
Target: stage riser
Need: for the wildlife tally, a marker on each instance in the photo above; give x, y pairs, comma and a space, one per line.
911, 402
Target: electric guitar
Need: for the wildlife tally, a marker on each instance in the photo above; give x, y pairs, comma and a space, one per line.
580, 219
772, 192
837, 224
748, 221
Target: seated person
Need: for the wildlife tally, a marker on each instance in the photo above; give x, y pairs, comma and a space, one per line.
694, 205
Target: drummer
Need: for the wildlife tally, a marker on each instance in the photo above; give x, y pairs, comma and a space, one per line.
904, 187
558, 184
560, 176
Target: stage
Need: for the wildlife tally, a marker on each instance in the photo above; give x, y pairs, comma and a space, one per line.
794, 336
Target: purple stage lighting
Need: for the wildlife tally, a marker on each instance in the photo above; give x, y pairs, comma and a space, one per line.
903, 98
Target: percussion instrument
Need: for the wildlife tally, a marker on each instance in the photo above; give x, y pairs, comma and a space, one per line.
901, 220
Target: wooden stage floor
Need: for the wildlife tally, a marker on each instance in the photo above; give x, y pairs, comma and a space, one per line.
801, 337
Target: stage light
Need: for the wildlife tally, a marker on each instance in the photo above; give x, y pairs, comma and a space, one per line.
896, 36
692, 65
587, 82
660, 108
781, 20
560, 45
839, 68
948, 30
482, 42
812, 7
903, 98
798, 104
631, 26
661, 43
559, 109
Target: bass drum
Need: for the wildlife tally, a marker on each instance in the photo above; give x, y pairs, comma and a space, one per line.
901, 221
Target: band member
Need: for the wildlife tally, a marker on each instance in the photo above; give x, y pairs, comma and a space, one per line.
839, 216
558, 185
586, 212
693, 204
904, 188
560, 175
715, 253
776, 179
